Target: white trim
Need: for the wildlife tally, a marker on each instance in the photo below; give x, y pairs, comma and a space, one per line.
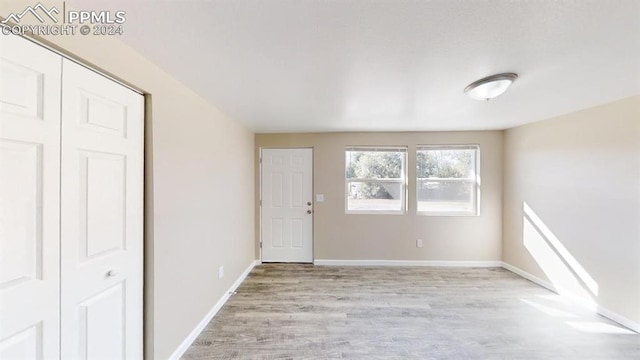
544, 283
448, 147
575, 299
77, 61
434, 263
403, 180
475, 179
375, 212
567, 294
378, 148
452, 213
207, 318
260, 208
619, 319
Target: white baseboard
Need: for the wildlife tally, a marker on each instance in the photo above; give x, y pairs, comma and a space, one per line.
526, 275
576, 299
619, 319
435, 263
207, 318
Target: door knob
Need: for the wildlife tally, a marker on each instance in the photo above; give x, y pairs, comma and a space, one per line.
308, 203
309, 211
111, 273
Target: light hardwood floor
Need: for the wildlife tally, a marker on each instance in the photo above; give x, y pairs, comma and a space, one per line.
291, 311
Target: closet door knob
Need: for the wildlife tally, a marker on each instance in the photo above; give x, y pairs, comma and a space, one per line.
111, 273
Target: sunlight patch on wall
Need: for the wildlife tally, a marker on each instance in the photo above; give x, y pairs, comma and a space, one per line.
563, 270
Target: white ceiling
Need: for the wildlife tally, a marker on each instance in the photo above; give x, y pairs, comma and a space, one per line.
346, 65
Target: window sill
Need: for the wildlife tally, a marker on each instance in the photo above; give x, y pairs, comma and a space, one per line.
348, 212
447, 214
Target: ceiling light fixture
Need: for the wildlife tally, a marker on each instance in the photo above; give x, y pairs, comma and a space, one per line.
491, 86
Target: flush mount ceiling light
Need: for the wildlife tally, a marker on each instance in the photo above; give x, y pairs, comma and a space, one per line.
491, 86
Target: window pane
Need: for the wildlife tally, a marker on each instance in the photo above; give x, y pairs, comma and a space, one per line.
374, 164
443, 196
446, 163
446, 180
374, 196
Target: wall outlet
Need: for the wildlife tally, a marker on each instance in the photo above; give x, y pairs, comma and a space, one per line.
220, 272
419, 243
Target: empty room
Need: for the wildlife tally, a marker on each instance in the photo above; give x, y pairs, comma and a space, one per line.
319, 179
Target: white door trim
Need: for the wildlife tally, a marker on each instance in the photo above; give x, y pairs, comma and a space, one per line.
260, 185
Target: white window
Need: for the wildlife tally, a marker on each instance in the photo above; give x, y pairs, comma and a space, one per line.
448, 180
375, 179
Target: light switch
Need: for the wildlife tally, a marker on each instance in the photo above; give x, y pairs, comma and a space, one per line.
319, 198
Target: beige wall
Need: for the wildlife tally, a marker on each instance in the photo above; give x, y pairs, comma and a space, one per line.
579, 173
393, 237
580, 176
198, 199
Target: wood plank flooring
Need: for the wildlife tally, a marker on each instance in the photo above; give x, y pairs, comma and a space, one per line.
292, 311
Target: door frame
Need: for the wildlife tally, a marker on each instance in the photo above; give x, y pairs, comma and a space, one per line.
260, 193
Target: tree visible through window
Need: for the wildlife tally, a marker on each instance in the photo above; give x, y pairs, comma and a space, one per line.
447, 180
375, 179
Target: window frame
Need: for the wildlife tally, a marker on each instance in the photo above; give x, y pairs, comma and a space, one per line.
475, 179
402, 180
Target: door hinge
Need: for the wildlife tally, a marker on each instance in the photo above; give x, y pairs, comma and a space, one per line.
260, 202
260, 244
260, 160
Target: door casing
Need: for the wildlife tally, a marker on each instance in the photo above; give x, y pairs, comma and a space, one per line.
261, 202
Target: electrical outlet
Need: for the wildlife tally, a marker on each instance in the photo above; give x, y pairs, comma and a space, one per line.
419, 243
220, 272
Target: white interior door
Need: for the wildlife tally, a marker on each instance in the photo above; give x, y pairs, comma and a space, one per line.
29, 200
102, 219
287, 207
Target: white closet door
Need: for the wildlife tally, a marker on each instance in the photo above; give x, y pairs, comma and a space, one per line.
29, 200
102, 220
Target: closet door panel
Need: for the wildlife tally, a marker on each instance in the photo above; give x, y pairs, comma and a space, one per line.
29, 200
102, 220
